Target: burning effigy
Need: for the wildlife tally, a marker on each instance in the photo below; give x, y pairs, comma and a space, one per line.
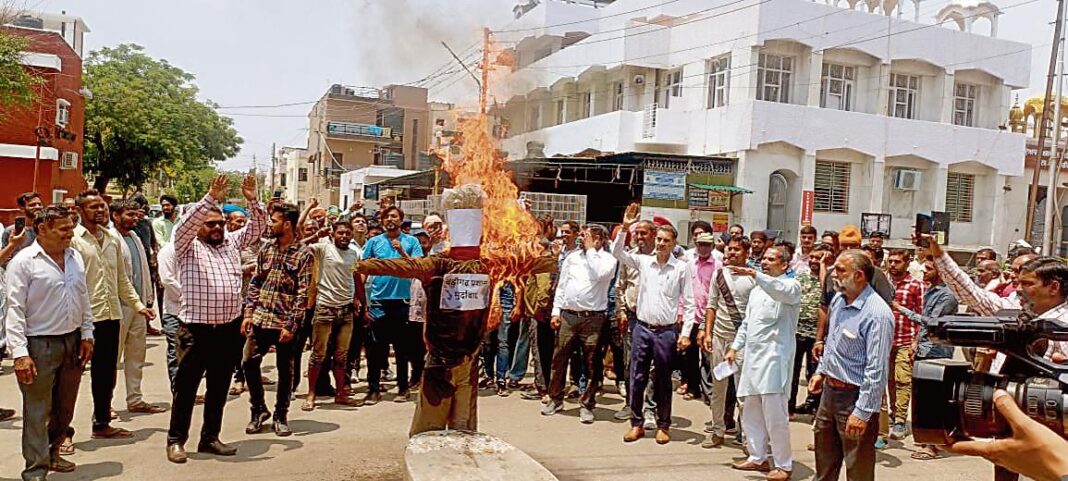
492, 239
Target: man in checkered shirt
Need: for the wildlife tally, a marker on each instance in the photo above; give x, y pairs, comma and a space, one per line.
908, 293
274, 309
209, 336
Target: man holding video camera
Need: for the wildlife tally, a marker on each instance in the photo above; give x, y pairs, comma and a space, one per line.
1033, 450
1041, 283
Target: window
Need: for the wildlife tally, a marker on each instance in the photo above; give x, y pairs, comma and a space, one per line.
964, 96
617, 98
904, 92
671, 86
58, 195
62, 112
282, 179
832, 187
719, 78
560, 117
586, 99
773, 78
959, 190
339, 160
302, 174
836, 86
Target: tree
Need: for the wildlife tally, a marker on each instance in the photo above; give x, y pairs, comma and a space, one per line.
145, 116
16, 83
191, 185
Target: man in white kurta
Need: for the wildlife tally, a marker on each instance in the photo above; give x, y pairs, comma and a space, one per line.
767, 338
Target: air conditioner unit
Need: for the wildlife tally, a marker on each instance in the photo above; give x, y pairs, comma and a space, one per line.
906, 179
69, 161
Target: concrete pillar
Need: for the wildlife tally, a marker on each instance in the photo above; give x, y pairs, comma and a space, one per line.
884, 88
996, 218
994, 25
941, 177
878, 175
744, 63
948, 84
753, 206
815, 77
808, 170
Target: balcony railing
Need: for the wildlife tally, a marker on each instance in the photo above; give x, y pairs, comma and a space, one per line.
364, 130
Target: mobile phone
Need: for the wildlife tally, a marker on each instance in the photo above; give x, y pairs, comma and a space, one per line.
923, 227
20, 225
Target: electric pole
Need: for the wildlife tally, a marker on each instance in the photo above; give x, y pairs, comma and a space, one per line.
1041, 125
1049, 232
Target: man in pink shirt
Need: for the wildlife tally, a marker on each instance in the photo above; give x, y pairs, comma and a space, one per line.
703, 265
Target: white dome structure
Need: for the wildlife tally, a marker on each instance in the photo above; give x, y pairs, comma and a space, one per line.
964, 13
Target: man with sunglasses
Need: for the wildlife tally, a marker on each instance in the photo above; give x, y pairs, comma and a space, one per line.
209, 334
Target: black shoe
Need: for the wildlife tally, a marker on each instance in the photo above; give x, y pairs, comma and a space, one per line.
217, 448
176, 453
6, 414
372, 398
502, 390
281, 427
256, 424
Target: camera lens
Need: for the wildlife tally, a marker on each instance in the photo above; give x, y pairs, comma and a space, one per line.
952, 402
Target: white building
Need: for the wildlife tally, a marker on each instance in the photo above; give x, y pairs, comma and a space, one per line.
293, 162
353, 182
873, 113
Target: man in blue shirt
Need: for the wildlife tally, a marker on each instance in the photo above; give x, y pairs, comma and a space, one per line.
387, 306
853, 370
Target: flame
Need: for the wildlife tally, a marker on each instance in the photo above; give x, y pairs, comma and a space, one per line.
509, 232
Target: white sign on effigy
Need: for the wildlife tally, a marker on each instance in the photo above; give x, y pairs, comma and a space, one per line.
465, 292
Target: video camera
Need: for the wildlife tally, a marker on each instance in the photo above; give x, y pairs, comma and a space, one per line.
953, 402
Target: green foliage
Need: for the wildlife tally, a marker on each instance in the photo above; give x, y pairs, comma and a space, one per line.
192, 184
16, 83
145, 118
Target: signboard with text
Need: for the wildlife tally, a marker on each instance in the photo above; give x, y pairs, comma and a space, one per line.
808, 203
1031, 155
663, 185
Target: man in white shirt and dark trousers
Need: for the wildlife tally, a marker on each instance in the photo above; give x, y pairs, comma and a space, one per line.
172, 306
50, 330
665, 287
579, 311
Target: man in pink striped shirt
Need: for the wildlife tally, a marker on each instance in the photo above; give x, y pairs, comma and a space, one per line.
209, 335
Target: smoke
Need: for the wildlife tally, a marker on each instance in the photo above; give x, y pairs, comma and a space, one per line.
399, 41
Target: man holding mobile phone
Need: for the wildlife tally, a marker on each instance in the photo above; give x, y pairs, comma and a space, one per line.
21, 234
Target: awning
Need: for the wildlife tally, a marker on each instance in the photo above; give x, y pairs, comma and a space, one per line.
722, 188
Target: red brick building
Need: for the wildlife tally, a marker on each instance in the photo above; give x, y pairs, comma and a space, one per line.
57, 118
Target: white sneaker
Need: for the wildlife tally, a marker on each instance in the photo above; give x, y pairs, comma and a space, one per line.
650, 421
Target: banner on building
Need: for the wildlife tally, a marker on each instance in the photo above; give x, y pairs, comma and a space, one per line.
1031, 155
808, 203
662, 185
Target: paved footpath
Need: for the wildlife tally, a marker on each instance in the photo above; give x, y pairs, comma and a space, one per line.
368, 443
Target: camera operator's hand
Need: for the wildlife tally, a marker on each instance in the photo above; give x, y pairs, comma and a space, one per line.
1033, 450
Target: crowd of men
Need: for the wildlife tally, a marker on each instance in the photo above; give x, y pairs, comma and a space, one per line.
729, 321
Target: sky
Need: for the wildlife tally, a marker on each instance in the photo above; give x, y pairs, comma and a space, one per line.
272, 52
